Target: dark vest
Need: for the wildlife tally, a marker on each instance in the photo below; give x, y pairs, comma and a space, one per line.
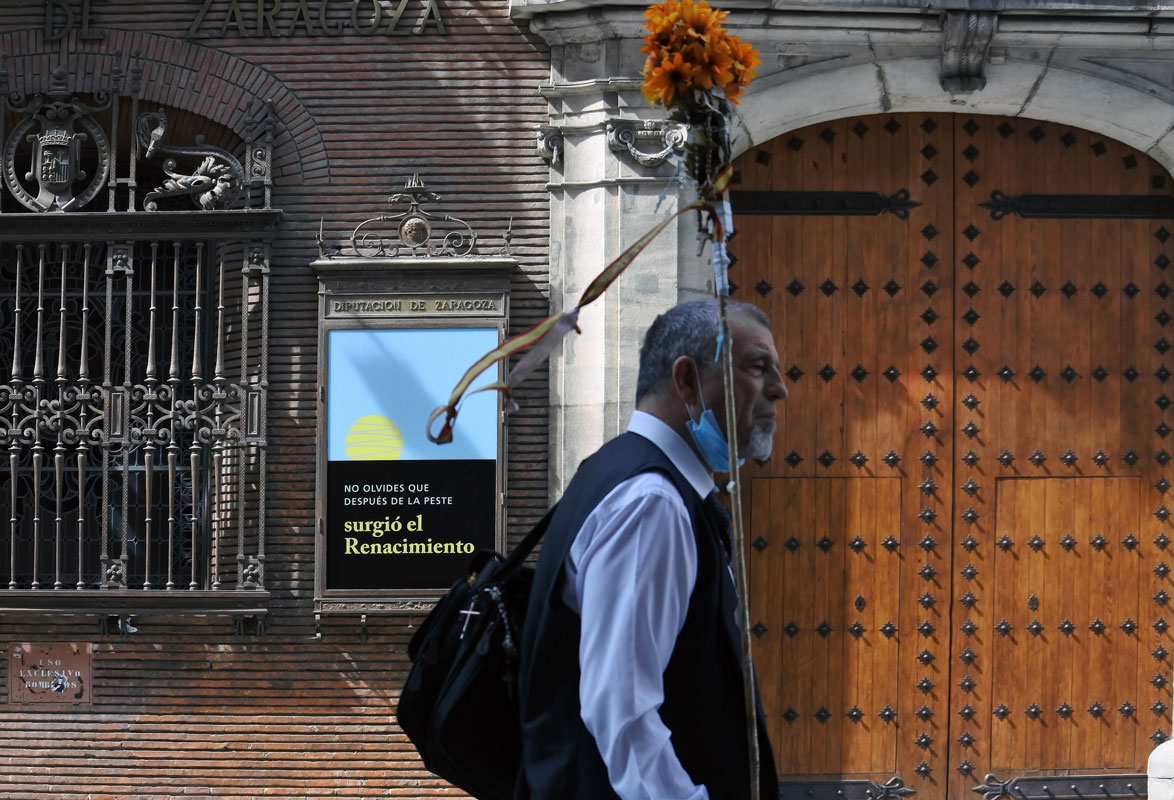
703, 705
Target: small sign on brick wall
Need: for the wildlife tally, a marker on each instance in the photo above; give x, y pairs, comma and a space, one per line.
50, 672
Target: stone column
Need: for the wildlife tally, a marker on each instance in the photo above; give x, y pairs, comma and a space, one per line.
611, 180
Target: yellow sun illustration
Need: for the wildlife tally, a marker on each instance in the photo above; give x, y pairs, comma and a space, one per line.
374, 438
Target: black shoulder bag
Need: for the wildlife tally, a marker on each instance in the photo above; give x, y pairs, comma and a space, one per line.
459, 705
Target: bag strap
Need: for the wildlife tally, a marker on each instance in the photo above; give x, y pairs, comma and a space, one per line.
526, 546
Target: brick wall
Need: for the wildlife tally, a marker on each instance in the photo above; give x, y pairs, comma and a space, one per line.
186, 706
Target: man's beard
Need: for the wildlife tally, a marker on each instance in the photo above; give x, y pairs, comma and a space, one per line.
762, 438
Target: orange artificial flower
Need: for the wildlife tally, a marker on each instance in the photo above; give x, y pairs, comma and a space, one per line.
672, 76
701, 21
714, 63
688, 47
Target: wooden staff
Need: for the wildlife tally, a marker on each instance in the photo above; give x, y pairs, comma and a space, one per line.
739, 554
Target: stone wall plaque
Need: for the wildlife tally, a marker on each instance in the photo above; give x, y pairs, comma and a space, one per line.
50, 672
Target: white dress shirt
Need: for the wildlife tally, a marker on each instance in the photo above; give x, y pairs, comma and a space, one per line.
631, 571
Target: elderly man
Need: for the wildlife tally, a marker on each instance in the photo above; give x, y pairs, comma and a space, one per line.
631, 678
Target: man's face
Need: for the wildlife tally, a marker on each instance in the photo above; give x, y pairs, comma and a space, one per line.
758, 387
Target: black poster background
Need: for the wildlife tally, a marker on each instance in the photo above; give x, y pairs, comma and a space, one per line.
385, 493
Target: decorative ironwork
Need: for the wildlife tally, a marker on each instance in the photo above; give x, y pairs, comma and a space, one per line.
1066, 787
887, 714
1128, 626
1005, 458
1033, 602
1080, 206
925, 657
666, 136
1036, 543
891, 458
137, 462
217, 182
1001, 711
822, 714
856, 544
926, 600
970, 458
928, 486
1097, 627
855, 714
925, 685
1067, 627
1098, 542
830, 203
926, 628
969, 572
969, 543
1005, 543
928, 458
825, 543
888, 629
1035, 627
927, 515
968, 599
1068, 542
967, 657
413, 228
890, 543
856, 629
1037, 458
968, 628
927, 572
1100, 457
50, 124
1003, 627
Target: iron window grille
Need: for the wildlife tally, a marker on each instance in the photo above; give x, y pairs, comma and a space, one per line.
134, 314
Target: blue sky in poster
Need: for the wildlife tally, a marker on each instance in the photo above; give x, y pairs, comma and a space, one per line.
403, 374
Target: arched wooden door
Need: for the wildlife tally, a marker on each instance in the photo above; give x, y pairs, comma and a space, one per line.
959, 549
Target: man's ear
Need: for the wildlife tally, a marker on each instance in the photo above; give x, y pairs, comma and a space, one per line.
686, 380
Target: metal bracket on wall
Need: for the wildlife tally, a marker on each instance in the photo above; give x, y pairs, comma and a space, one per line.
894, 787
627, 135
1080, 206
829, 203
1064, 787
243, 621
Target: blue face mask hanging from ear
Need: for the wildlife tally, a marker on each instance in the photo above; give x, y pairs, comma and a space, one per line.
708, 437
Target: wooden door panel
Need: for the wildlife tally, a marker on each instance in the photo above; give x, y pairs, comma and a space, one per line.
829, 663
964, 376
1054, 594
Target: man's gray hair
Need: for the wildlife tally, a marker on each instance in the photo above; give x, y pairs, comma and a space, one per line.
689, 329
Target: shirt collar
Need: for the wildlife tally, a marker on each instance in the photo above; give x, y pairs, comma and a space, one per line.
675, 448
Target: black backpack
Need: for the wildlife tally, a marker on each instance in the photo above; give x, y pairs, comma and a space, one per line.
459, 705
